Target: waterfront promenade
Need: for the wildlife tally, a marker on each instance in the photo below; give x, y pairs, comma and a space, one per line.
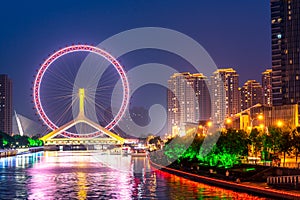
14, 152
249, 187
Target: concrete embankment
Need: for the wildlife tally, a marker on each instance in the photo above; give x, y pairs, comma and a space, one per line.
260, 190
8, 152
14, 152
29, 150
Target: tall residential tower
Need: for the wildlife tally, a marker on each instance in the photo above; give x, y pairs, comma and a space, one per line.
188, 100
5, 104
251, 94
266, 81
285, 19
225, 94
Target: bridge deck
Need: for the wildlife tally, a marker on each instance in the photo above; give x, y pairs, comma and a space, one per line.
78, 141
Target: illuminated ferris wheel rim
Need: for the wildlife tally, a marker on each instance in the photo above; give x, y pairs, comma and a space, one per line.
72, 49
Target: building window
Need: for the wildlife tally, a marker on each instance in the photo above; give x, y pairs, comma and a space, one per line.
279, 36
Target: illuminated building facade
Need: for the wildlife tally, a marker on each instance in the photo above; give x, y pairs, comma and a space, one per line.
267, 87
5, 104
225, 94
286, 115
285, 19
188, 100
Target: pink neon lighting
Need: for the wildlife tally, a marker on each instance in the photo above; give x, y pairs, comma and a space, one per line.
71, 49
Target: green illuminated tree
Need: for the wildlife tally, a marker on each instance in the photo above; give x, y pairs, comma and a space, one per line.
233, 142
226, 152
192, 152
182, 148
34, 142
174, 151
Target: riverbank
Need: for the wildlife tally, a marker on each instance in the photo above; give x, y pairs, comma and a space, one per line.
13, 152
8, 152
29, 150
260, 189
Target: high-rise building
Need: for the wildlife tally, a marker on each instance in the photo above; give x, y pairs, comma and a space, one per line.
188, 100
285, 19
266, 81
225, 94
251, 94
5, 104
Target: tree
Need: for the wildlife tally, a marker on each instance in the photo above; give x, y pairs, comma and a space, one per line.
233, 142
177, 148
272, 138
255, 139
21, 140
157, 141
231, 145
285, 143
192, 152
296, 141
174, 151
34, 142
1, 142
7, 141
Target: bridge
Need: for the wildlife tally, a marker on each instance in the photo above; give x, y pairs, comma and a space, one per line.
52, 139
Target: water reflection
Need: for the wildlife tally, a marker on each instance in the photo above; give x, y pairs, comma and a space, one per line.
88, 175
21, 161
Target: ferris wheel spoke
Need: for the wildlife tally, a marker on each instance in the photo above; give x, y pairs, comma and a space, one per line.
66, 109
98, 70
60, 77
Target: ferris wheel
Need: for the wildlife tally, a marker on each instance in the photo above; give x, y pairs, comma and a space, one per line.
54, 86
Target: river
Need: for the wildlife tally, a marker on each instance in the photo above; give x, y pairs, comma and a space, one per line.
87, 175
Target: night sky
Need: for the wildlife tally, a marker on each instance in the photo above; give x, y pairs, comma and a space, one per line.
235, 33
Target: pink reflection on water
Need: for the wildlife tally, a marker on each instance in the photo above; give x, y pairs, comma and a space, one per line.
77, 173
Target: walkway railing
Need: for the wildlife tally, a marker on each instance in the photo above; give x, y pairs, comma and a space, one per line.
284, 180
293, 165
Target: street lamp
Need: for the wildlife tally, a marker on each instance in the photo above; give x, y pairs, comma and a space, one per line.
261, 126
200, 127
279, 123
209, 124
228, 121
259, 117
